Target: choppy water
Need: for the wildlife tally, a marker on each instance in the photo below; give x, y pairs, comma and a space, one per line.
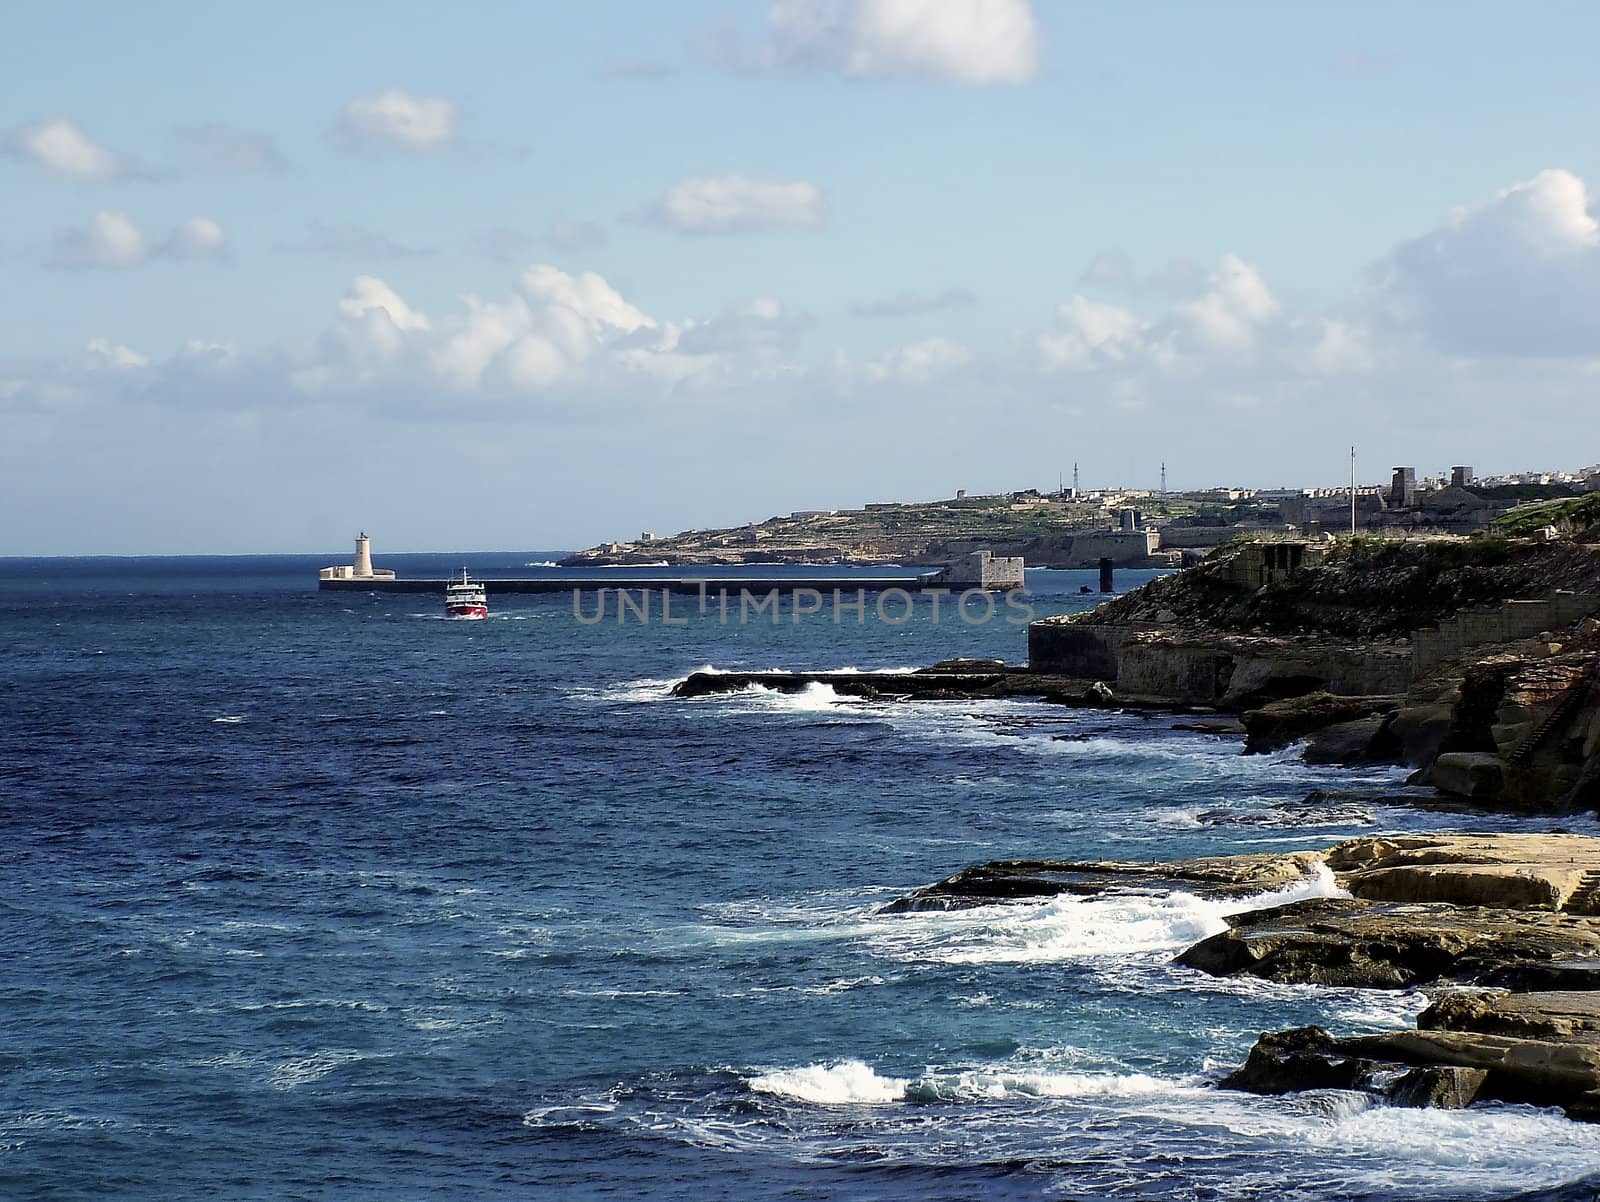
319, 896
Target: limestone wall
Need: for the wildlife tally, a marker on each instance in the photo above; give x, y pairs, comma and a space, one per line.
1075, 649
1498, 624
1144, 660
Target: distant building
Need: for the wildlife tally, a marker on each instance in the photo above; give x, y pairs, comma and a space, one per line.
1403, 488
1460, 477
982, 569
361, 569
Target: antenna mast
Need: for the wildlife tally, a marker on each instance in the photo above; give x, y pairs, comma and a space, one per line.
1352, 492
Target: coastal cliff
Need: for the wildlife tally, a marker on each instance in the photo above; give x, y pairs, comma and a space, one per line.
1473, 661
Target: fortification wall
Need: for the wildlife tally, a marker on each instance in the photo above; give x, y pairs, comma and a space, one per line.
1498, 624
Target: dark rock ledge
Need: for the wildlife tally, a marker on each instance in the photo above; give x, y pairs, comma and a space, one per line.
1514, 918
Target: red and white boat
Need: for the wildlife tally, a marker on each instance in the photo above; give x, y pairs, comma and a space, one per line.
465, 598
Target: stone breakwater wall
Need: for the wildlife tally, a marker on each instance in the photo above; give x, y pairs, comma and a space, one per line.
1504, 623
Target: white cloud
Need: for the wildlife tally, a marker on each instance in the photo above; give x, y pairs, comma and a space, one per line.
398, 119
733, 204
225, 148
59, 146
920, 361
1341, 349
1089, 334
961, 41
104, 352
109, 240
1233, 308
1518, 274
196, 238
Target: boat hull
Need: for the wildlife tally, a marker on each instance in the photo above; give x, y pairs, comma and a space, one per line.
466, 612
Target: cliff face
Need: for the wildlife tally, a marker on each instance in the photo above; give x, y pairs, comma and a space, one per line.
1362, 589
1498, 701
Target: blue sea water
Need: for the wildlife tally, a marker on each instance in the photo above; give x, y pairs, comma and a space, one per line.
321, 896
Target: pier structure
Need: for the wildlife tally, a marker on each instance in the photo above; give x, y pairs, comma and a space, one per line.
979, 571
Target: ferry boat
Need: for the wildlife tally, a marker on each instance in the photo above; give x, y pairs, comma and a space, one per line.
465, 598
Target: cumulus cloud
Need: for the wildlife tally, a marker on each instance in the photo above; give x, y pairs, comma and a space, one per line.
920, 361
111, 240
60, 146
542, 336
1517, 274
959, 41
1340, 349
398, 120
1090, 334
103, 352
225, 148
196, 238
1228, 315
734, 204
108, 240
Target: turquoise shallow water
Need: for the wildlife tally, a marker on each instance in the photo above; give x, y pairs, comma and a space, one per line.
320, 896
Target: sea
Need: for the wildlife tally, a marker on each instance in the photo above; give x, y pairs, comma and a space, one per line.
315, 895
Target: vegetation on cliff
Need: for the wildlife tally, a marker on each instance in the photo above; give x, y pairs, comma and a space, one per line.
1365, 588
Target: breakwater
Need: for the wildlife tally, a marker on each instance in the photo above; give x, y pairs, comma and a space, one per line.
695, 586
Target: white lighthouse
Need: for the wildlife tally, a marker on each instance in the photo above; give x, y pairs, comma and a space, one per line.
361, 569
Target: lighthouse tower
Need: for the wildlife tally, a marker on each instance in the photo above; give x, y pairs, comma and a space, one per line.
361, 569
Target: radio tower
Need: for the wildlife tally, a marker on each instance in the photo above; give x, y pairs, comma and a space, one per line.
1074, 479
1352, 492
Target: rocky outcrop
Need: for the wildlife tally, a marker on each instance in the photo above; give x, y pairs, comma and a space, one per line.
959, 682
1013, 880
1357, 944
1519, 728
1310, 1058
1357, 721
1485, 909
1539, 1048
1531, 872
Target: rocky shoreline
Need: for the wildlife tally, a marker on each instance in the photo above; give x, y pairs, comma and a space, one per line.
1502, 930
1491, 707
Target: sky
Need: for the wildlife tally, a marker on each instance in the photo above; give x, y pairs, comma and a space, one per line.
534, 276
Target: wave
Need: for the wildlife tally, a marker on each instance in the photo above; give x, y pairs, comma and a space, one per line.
846, 1082
1066, 927
813, 698
856, 1083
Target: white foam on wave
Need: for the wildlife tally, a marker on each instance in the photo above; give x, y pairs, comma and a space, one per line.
1066, 927
842, 1083
814, 697
229, 720
856, 1083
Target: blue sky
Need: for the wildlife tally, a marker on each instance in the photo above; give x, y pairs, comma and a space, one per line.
728, 260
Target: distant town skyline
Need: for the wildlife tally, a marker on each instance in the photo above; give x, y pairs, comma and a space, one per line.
539, 277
